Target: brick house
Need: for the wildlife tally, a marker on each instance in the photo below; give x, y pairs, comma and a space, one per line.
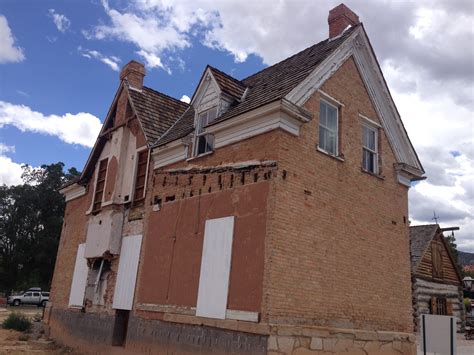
437, 283
252, 220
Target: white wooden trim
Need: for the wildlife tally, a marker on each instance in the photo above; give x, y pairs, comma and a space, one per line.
73, 191
170, 154
79, 278
127, 272
330, 99
369, 121
358, 46
215, 268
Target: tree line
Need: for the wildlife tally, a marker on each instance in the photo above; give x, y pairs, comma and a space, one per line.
31, 218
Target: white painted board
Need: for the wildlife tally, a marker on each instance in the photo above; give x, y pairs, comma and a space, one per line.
127, 272
79, 278
215, 268
438, 333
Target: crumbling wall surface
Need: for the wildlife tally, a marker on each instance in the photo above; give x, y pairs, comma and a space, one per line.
155, 336
91, 333
175, 234
340, 254
73, 233
87, 332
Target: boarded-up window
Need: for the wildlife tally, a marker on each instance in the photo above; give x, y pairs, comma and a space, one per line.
140, 177
215, 268
437, 259
100, 185
127, 272
439, 306
79, 278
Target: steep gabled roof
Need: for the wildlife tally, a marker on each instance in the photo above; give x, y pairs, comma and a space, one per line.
263, 87
229, 85
420, 239
156, 111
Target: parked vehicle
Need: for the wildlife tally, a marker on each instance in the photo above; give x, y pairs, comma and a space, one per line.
33, 296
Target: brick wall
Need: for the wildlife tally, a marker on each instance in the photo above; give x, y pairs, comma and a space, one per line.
340, 250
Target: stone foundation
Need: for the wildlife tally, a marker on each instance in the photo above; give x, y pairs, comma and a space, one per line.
322, 340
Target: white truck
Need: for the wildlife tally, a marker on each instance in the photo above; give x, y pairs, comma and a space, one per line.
33, 296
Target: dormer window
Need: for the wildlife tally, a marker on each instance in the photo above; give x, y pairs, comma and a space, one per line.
204, 141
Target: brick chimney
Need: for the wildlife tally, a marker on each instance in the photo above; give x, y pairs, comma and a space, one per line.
339, 18
134, 72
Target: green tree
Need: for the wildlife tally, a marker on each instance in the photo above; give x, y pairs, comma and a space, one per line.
453, 249
31, 217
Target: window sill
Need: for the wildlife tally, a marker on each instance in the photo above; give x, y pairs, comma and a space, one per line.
200, 156
336, 157
381, 177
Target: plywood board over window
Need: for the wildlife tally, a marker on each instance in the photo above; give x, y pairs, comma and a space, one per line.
437, 259
215, 268
127, 272
79, 278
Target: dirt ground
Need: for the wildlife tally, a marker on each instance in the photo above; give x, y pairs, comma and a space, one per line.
13, 342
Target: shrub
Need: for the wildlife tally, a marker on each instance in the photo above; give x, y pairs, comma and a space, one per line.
17, 321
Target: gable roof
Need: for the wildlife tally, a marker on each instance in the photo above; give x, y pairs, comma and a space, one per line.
420, 239
155, 111
229, 85
268, 85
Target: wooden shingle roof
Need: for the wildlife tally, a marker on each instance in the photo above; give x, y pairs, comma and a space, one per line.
263, 87
420, 239
156, 111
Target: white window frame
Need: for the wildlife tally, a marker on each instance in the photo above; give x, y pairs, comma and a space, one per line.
368, 125
202, 132
327, 102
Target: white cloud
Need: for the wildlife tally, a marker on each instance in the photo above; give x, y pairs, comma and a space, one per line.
10, 172
81, 128
111, 61
152, 60
9, 53
185, 98
61, 21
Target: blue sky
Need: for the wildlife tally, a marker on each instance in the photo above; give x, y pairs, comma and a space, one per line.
60, 62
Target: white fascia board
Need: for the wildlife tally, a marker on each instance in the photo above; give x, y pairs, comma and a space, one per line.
203, 86
275, 115
171, 153
73, 191
358, 46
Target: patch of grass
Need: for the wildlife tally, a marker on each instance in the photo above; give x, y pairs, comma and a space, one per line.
18, 322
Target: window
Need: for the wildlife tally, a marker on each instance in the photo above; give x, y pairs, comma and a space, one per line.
437, 260
369, 149
142, 161
204, 141
328, 128
100, 185
439, 305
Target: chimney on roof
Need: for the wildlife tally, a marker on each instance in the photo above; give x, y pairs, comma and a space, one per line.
134, 72
339, 18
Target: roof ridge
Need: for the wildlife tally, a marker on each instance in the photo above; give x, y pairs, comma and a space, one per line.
425, 225
227, 75
301, 51
171, 127
168, 96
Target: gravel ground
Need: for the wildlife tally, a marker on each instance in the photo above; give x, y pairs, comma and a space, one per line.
13, 342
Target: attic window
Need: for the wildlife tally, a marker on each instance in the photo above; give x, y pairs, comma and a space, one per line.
204, 141
140, 177
437, 259
328, 128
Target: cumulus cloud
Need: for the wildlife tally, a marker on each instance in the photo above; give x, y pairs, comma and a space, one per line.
152, 60
10, 172
61, 21
185, 98
9, 52
81, 128
111, 61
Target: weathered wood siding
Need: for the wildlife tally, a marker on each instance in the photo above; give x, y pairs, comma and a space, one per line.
425, 267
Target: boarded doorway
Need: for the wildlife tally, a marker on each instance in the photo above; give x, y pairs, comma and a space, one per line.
120, 327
